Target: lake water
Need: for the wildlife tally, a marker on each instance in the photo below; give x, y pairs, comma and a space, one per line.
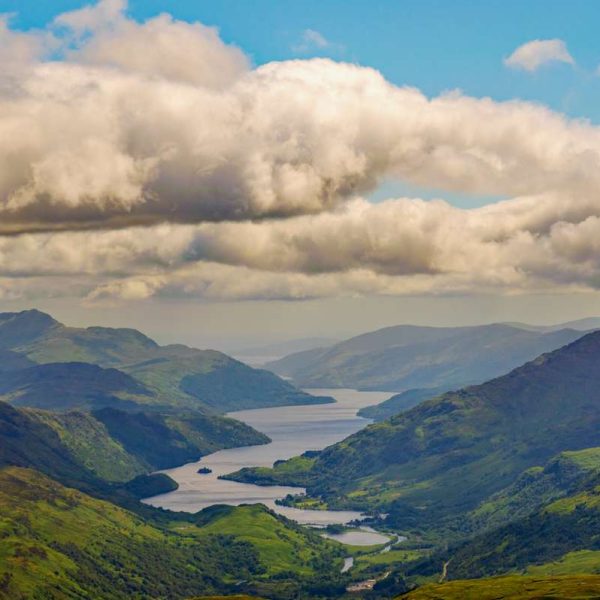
365, 536
293, 430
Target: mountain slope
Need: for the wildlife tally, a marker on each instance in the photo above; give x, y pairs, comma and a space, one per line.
562, 537
575, 587
173, 375
64, 386
565, 474
446, 455
86, 450
58, 543
165, 441
405, 357
399, 403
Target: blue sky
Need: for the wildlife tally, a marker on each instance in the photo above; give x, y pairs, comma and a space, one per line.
435, 45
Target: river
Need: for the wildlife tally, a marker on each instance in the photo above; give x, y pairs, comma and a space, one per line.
293, 430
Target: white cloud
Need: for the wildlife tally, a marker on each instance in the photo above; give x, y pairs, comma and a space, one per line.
93, 146
398, 247
532, 55
152, 160
314, 41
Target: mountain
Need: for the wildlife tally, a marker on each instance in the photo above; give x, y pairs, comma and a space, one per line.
407, 357
566, 474
130, 369
71, 526
13, 361
64, 386
26, 441
86, 450
443, 457
258, 355
184, 437
586, 324
546, 523
399, 403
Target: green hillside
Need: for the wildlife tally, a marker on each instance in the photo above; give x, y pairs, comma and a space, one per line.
562, 537
183, 437
580, 587
58, 543
28, 441
281, 544
400, 403
109, 445
90, 443
563, 475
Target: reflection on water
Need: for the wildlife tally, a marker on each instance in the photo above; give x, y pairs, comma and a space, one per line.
364, 536
293, 429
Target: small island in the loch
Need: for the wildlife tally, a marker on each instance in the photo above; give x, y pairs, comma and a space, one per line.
204, 470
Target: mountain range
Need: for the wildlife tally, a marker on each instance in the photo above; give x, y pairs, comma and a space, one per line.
496, 486
50, 366
406, 357
502, 476
86, 417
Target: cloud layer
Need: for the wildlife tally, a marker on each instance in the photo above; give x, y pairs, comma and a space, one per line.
152, 159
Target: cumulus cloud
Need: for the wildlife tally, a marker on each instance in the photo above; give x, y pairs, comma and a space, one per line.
161, 47
403, 246
151, 159
161, 121
532, 55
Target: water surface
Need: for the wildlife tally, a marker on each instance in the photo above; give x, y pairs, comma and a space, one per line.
359, 537
293, 430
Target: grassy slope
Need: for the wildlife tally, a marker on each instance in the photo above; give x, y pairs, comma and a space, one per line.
282, 546
561, 476
184, 437
400, 403
88, 439
86, 450
511, 588
563, 536
56, 542
26, 441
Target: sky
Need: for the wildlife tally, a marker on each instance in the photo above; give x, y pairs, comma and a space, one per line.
231, 173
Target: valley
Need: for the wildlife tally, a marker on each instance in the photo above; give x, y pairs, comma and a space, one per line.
296, 500
299, 300
292, 430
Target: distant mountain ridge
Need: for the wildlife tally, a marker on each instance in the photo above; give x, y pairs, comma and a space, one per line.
100, 366
406, 357
65, 386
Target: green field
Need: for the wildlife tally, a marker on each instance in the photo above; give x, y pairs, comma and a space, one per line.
512, 588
